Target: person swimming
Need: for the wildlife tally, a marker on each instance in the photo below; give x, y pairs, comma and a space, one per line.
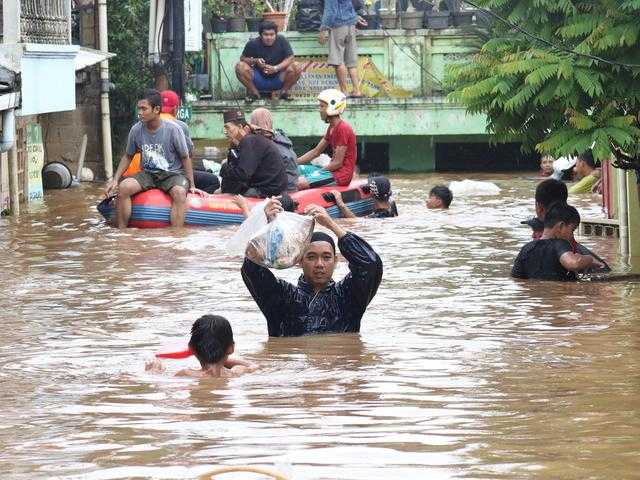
212, 344
440, 196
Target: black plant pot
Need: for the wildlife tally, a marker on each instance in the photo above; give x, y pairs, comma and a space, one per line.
236, 24
437, 20
218, 25
460, 19
253, 24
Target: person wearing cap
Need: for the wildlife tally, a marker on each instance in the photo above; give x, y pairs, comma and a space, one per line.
340, 136
317, 304
586, 172
254, 167
165, 162
267, 64
380, 189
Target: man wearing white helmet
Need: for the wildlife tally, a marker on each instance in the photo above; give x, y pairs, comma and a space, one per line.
339, 136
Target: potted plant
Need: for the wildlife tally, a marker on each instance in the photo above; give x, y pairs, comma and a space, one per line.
257, 9
388, 19
236, 20
216, 9
439, 17
411, 19
464, 17
277, 11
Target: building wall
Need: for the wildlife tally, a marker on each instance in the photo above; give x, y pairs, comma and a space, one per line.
63, 131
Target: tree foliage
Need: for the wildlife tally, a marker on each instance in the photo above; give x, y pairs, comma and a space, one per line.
128, 23
541, 92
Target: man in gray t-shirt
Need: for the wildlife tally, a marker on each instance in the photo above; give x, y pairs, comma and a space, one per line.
164, 160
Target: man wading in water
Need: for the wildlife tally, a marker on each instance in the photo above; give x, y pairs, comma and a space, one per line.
317, 304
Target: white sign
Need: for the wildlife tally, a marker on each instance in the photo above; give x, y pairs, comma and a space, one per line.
192, 25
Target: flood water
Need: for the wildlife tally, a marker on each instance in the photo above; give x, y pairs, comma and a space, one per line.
459, 372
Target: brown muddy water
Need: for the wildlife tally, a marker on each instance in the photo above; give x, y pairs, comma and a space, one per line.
459, 372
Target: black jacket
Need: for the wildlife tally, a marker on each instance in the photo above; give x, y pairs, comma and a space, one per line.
297, 310
258, 165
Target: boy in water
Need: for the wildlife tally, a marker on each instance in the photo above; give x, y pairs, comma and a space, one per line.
212, 344
439, 197
552, 257
380, 189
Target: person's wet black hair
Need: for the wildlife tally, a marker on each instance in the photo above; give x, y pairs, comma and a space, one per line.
443, 193
288, 203
323, 237
561, 212
551, 191
211, 337
587, 157
267, 25
153, 97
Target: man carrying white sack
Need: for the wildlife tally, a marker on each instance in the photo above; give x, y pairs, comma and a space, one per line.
317, 304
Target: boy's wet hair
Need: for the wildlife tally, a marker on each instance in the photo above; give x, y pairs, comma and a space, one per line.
288, 203
153, 97
551, 191
211, 337
561, 212
587, 157
443, 193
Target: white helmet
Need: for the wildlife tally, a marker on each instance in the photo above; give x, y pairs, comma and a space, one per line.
336, 101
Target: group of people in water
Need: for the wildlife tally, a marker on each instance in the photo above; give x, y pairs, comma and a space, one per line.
261, 163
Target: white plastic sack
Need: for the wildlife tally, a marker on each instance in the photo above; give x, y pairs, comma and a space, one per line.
473, 187
281, 243
321, 160
237, 244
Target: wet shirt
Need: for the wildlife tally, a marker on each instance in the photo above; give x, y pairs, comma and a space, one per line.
584, 185
294, 310
342, 135
272, 55
392, 211
258, 165
540, 259
162, 150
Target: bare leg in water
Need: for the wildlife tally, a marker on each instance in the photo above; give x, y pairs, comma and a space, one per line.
179, 206
127, 188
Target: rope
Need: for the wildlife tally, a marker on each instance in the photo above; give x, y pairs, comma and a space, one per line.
227, 77
264, 471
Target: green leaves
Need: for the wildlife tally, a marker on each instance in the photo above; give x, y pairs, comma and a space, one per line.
547, 97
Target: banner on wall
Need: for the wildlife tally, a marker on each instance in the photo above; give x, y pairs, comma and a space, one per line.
317, 75
35, 162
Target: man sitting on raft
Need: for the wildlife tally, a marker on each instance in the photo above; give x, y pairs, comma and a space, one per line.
317, 304
258, 169
380, 189
339, 136
165, 162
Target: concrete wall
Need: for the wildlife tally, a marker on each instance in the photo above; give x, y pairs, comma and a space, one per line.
63, 131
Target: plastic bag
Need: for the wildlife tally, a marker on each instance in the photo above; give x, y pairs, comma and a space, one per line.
237, 244
473, 187
281, 243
